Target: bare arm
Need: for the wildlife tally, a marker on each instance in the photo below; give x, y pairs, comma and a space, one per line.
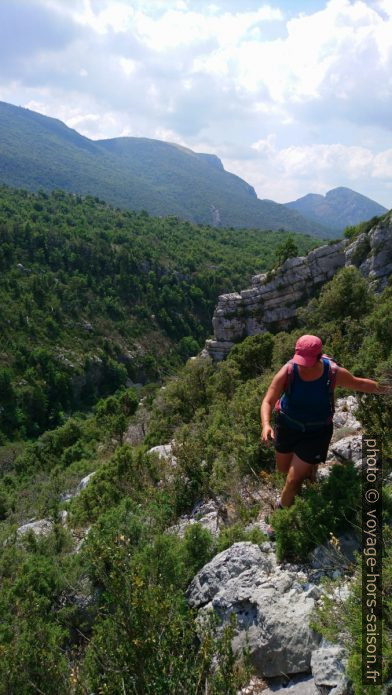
347, 380
274, 391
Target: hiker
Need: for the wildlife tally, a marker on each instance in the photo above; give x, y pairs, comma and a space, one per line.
304, 413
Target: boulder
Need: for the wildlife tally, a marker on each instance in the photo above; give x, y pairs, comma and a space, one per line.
271, 607
349, 449
41, 528
63, 516
328, 669
164, 451
225, 566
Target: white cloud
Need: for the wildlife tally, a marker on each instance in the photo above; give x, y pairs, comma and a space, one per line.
292, 105
287, 173
128, 65
382, 165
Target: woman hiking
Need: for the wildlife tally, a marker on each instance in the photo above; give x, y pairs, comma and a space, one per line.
304, 419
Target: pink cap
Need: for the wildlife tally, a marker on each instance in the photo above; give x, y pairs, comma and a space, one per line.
307, 348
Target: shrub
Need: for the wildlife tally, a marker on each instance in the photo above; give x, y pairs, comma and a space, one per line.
253, 355
342, 621
145, 637
328, 507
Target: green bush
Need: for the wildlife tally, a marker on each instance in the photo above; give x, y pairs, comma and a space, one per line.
128, 472
144, 638
328, 507
32, 639
347, 295
341, 621
253, 355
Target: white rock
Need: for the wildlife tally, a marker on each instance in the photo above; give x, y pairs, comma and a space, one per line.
275, 297
299, 685
210, 521
164, 451
349, 449
226, 565
328, 669
63, 517
270, 605
81, 539
84, 482
344, 413
43, 527
66, 497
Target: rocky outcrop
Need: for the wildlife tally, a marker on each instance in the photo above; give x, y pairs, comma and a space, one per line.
271, 605
164, 451
211, 515
84, 482
67, 496
272, 301
41, 528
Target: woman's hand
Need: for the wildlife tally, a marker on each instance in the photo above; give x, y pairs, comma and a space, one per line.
267, 434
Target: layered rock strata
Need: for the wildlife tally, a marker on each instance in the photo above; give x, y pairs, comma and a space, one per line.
271, 303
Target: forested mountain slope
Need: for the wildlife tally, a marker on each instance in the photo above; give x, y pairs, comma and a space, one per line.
95, 591
91, 296
135, 173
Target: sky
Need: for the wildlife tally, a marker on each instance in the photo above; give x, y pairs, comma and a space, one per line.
294, 96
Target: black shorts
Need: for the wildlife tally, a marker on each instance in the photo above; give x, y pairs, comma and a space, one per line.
310, 446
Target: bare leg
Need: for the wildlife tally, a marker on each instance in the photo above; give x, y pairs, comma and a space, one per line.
298, 471
283, 461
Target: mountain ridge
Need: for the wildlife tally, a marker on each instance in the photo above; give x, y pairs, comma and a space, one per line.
339, 208
40, 152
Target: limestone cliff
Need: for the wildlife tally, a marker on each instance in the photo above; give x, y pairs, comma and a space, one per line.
272, 301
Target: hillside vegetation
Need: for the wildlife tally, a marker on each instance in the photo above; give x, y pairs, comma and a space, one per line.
135, 173
91, 296
113, 617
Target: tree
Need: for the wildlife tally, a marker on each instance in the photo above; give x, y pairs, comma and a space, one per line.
286, 249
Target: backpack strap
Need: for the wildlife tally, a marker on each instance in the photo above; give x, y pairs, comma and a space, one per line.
289, 376
331, 381
287, 384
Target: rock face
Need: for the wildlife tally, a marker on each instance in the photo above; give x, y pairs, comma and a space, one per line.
272, 301
271, 606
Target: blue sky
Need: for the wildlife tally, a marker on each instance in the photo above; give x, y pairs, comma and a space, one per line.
294, 96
